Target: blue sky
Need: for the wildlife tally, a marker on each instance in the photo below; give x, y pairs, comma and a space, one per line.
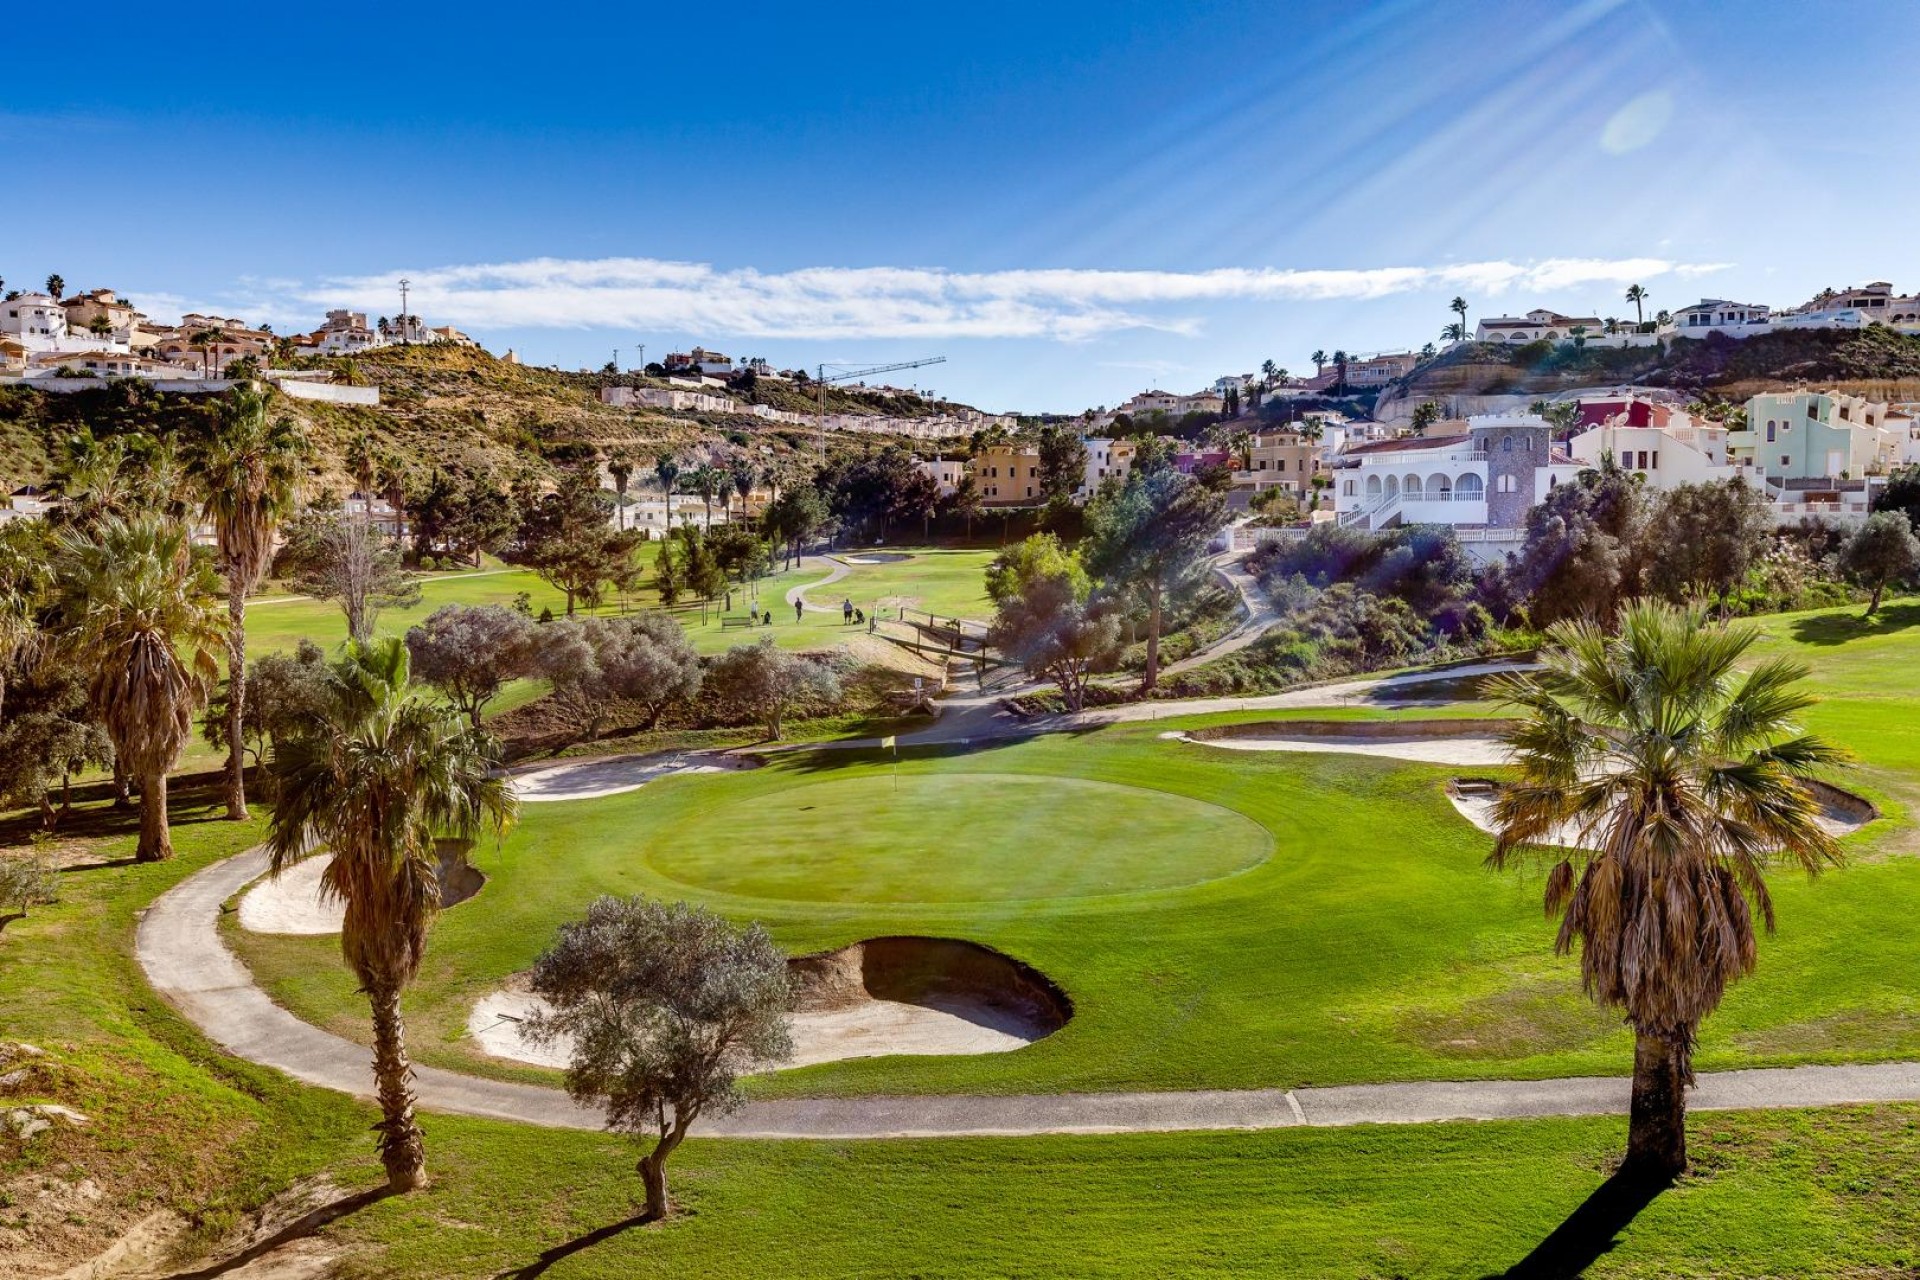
1069, 202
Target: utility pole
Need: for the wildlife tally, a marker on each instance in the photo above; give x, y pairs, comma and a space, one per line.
404, 339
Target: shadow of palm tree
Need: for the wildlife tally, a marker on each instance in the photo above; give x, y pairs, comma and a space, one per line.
1590, 1231
300, 1228
561, 1252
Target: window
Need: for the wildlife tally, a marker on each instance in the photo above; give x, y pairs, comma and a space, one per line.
1770, 430
1785, 461
1656, 460
1506, 446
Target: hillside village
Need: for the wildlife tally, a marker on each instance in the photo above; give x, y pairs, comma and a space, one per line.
1357, 442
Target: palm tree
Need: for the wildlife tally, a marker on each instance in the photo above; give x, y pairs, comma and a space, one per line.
363, 463
745, 476
1673, 778
248, 467
1459, 307
620, 467
1455, 332
383, 773
56, 285
1340, 370
705, 481
1637, 295
1319, 359
667, 472
139, 608
204, 340
1267, 371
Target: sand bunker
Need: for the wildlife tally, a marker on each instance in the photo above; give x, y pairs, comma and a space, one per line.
1841, 812
613, 775
290, 903
1463, 742
875, 998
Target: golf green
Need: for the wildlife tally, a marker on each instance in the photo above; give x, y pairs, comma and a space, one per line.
974, 837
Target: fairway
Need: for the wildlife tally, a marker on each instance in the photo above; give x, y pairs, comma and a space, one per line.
959, 838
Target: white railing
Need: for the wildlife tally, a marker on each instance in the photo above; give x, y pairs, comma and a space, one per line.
1427, 455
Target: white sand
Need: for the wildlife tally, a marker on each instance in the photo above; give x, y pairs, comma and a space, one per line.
609, 776
1474, 749
869, 1029
290, 902
1477, 808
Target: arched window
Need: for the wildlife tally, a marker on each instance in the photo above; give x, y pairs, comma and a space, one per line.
1373, 486
1393, 485
1506, 445
1468, 486
1439, 487
1411, 487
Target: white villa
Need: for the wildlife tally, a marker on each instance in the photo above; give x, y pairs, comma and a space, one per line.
1482, 484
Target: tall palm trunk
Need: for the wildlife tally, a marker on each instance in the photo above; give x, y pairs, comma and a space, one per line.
1152, 676
1657, 1118
236, 703
155, 844
402, 1148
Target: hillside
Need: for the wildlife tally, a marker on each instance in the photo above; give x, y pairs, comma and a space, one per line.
439, 406
1874, 361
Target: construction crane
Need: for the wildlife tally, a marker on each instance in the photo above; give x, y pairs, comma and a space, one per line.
848, 373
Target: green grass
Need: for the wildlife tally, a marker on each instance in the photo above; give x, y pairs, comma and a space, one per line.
947, 582
1802, 1194
1370, 945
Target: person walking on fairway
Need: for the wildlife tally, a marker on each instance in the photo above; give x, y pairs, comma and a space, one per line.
798, 608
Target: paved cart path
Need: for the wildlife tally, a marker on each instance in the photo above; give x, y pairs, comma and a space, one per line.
180, 948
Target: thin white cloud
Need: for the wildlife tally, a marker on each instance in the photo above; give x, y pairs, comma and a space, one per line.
1065, 305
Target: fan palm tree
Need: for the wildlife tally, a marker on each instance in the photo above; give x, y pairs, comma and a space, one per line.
248, 468
1340, 370
620, 468
139, 608
1319, 359
1637, 295
745, 476
1455, 332
1659, 780
204, 341
56, 286
666, 471
384, 773
1459, 307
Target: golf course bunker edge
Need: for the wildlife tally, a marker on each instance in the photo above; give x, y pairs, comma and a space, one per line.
291, 903
873, 998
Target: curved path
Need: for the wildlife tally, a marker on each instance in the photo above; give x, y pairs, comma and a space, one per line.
179, 946
798, 595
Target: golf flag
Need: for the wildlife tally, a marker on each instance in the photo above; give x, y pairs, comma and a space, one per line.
890, 743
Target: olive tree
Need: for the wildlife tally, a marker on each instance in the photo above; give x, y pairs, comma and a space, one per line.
663, 1008
596, 663
1051, 630
470, 652
1883, 551
765, 681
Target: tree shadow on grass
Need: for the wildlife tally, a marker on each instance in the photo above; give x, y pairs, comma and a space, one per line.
1838, 628
561, 1252
1589, 1232
300, 1228
98, 818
